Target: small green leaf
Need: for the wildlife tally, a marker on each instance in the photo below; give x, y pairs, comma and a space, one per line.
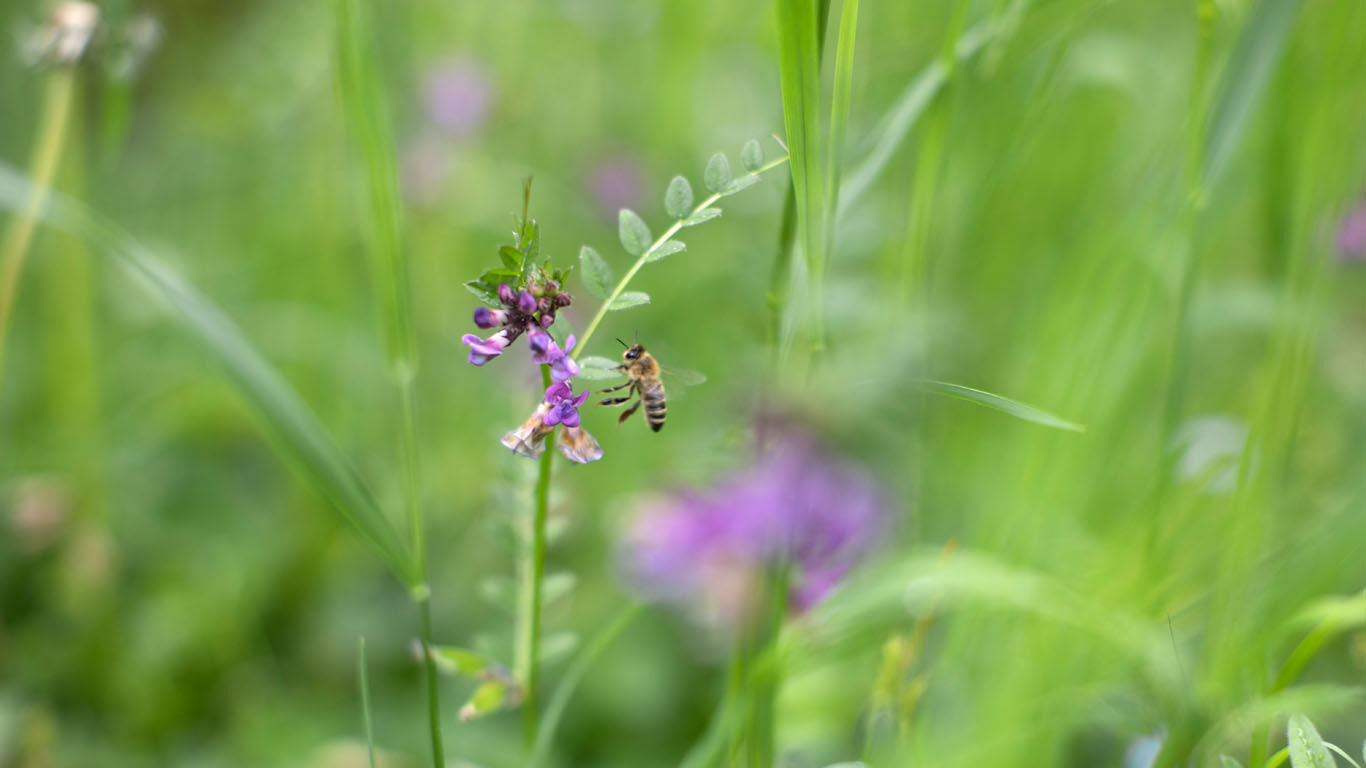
1306, 745
628, 300
717, 175
752, 155
460, 661
1005, 405
488, 698
678, 197
597, 275
702, 216
1227, 762
741, 182
485, 292
495, 276
667, 248
635, 235
598, 368
512, 258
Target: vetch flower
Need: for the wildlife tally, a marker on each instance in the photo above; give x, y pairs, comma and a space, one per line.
484, 350
490, 318
544, 351
458, 96
798, 506
564, 407
559, 409
1352, 234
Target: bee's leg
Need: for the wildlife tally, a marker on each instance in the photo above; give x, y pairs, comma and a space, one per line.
623, 385
626, 414
615, 400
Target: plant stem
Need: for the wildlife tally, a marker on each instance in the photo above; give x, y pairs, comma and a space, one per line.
365, 702
644, 257
534, 578
47, 153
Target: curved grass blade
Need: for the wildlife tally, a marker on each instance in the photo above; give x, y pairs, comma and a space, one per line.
1254, 58
913, 101
1306, 745
294, 427
839, 115
1005, 405
559, 700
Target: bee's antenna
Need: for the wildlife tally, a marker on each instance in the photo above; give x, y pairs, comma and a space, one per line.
622, 343
637, 335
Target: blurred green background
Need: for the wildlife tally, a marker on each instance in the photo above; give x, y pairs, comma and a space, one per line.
172, 594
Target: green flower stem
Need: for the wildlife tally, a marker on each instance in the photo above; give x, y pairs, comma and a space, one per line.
645, 256
533, 578
365, 703
47, 154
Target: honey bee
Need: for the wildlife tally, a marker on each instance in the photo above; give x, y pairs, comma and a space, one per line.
643, 379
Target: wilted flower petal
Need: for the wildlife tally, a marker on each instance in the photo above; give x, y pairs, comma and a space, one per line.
577, 445
529, 439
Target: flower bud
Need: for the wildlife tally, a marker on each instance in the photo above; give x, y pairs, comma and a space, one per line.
505, 295
526, 303
489, 318
551, 286
547, 319
562, 300
544, 304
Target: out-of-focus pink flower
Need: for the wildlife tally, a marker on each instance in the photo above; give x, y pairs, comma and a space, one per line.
1352, 234
616, 184
799, 506
458, 96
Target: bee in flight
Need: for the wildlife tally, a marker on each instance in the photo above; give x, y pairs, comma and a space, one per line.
642, 372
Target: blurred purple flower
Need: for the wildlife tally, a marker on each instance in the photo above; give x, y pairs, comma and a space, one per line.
458, 95
616, 184
798, 505
424, 168
1352, 234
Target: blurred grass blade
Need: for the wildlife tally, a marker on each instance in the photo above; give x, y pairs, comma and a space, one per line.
559, 700
363, 103
365, 703
289, 420
1306, 745
799, 72
902, 117
839, 115
1005, 405
1253, 60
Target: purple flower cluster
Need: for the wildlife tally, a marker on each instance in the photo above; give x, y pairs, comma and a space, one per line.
559, 408
798, 505
523, 312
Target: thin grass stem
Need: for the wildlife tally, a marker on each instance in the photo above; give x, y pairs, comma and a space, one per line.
533, 591
365, 702
47, 154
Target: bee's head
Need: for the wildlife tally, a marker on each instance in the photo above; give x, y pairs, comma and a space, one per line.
632, 352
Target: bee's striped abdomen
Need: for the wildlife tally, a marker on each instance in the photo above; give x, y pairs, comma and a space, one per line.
652, 393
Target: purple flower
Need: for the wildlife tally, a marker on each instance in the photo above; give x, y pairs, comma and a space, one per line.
616, 184
544, 351
490, 318
457, 95
1352, 234
560, 408
564, 407
798, 506
484, 350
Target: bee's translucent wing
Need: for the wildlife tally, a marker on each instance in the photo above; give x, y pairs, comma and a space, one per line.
683, 377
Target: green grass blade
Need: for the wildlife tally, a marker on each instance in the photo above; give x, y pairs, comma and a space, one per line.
559, 700
365, 702
1005, 405
363, 102
839, 115
288, 419
799, 72
1254, 59
912, 103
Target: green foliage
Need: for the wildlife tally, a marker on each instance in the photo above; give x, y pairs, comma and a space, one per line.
596, 274
752, 155
1005, 405
628, 299
1306, 746
678, 197
634, 234
717, 175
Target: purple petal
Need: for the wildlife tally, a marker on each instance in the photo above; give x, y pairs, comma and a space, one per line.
569, 343
526, 303
505, 295
554, 416
578, 401
568, 416
558, 391
489, 318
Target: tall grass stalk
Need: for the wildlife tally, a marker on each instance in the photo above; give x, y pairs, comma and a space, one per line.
55, 115
365, 702
366, 111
